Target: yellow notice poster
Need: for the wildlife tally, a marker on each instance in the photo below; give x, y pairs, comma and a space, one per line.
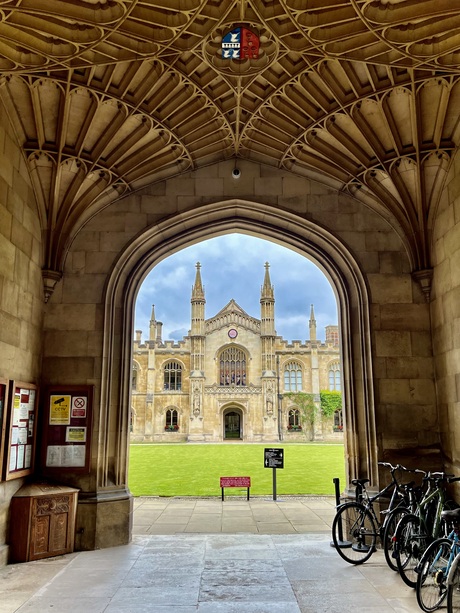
60, 410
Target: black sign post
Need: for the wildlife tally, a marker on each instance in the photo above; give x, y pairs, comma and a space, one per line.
274, 458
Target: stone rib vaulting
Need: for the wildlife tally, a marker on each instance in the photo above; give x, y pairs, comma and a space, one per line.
120, 125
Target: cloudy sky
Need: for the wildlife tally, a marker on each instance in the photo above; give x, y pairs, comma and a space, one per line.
232, 266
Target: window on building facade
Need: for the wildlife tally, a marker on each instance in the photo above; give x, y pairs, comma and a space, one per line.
172, 420
292, 377
232, 367
334, 377
294, 422
172, 376
338, 420
134, 376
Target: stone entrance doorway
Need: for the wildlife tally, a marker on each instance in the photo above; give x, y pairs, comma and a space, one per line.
233, 425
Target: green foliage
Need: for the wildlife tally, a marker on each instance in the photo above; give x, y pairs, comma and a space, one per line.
330, 402
308, 409
194, 470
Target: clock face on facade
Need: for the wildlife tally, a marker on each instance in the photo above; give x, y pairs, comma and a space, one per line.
232, 333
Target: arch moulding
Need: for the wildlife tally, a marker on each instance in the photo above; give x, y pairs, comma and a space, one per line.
306, 238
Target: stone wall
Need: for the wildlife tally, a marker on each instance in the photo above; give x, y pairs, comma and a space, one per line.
21, 290
445, 313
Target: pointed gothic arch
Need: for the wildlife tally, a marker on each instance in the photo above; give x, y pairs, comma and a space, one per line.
269, 223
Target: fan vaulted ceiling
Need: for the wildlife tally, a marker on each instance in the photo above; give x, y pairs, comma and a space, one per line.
109, 96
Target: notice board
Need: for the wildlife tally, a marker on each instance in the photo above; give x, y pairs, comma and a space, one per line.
21, 430
67, 421
4, 390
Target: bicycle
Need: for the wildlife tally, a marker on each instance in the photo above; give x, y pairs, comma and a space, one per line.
358, 521
435, 564
453, 586
416, 531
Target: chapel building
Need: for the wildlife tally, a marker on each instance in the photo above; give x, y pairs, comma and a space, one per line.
230, 378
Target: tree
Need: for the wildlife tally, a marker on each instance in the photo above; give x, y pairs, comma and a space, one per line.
308, 410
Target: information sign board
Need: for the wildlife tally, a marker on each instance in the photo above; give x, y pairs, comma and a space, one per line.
274, 458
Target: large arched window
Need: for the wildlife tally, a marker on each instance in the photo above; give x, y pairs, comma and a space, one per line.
292, 377
334, 377
172, 376
232, 365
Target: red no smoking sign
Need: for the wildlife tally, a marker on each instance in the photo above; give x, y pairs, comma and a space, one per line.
79, 406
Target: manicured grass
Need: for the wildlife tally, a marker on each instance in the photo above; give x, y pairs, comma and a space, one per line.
194, 470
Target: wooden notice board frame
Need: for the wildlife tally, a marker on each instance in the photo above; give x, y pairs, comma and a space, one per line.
4, 406
21, 434
67, 425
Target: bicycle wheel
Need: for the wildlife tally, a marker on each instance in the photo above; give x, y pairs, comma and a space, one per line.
353, 533
432, 574
410, 543
453, 590
388, 535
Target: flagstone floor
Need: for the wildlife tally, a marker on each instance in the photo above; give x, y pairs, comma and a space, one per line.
209, 556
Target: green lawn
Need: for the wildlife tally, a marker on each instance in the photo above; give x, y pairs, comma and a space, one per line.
194, 470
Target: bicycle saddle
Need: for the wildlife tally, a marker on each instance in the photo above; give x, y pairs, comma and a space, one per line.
451, 515
360, 482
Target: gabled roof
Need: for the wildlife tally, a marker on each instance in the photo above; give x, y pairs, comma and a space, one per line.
232, 307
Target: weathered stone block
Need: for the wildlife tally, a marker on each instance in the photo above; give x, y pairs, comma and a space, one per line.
295, 186
408, 317
392, 343
391, 289
21, 238
213, 187
394, 391
409, 368
71, 317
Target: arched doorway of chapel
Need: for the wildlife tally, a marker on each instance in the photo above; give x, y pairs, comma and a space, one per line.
232, 422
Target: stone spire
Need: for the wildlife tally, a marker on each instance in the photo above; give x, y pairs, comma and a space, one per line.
153, 324
156, 328
197, 290
267, 322
197, 325
267, 288
312, 324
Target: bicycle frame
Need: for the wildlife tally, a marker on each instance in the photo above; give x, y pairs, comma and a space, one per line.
362, 496
434, 493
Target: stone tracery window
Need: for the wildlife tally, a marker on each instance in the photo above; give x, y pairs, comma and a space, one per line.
172, 420
292, 377
172, 376
334, 377
294, 420
134, 376
232, 367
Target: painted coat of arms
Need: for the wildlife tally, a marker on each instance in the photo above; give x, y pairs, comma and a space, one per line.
240, 44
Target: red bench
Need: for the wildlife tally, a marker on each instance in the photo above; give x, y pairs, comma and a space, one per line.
235, 482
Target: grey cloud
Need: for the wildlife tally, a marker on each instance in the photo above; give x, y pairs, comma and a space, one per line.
232, 266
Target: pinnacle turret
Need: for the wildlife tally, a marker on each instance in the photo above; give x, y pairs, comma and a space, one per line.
312, 324
267, 288
198, 290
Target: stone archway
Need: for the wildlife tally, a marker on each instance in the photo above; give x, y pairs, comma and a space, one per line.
303, 236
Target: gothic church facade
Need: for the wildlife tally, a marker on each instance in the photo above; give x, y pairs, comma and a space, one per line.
229, 378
